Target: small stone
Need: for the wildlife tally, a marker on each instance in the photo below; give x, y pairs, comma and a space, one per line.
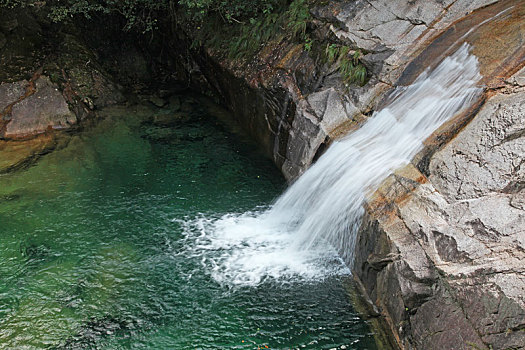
89, 102
157, 101
517, 79
518, 201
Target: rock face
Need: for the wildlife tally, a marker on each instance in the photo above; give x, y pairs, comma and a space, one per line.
44, 108
48, 81
442, 257
440, 254
293, 105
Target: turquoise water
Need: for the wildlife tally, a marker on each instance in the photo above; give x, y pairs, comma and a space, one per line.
101, 248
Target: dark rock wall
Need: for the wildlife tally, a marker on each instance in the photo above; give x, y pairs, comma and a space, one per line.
264, 101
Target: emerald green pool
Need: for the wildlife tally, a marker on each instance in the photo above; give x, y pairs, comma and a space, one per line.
104, 245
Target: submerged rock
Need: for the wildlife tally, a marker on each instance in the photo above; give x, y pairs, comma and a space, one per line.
170, 119
18, 154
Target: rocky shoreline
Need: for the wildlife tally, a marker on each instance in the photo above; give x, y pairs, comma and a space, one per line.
440, 252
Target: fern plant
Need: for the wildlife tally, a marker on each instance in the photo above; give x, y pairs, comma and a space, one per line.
350, 67
298, 16
285, 21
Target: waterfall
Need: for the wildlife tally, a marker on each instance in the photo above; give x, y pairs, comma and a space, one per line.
326, 202
319, 214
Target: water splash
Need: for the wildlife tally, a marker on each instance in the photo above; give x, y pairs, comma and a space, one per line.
320, 213
248, 249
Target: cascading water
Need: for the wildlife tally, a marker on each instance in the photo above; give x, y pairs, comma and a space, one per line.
320, 213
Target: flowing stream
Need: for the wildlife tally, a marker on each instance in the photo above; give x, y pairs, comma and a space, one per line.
148, 232
301, 235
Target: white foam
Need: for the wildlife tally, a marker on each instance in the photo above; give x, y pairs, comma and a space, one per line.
247, 249
321, 212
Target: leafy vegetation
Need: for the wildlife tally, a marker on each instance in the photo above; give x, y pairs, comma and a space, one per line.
237, 27
298, 16
351, 68
251, 21
139, 14
15, 3
231, 11
145, 14
283, 21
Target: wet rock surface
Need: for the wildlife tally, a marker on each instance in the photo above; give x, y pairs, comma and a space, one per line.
441, 250
294, 104
452, 245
